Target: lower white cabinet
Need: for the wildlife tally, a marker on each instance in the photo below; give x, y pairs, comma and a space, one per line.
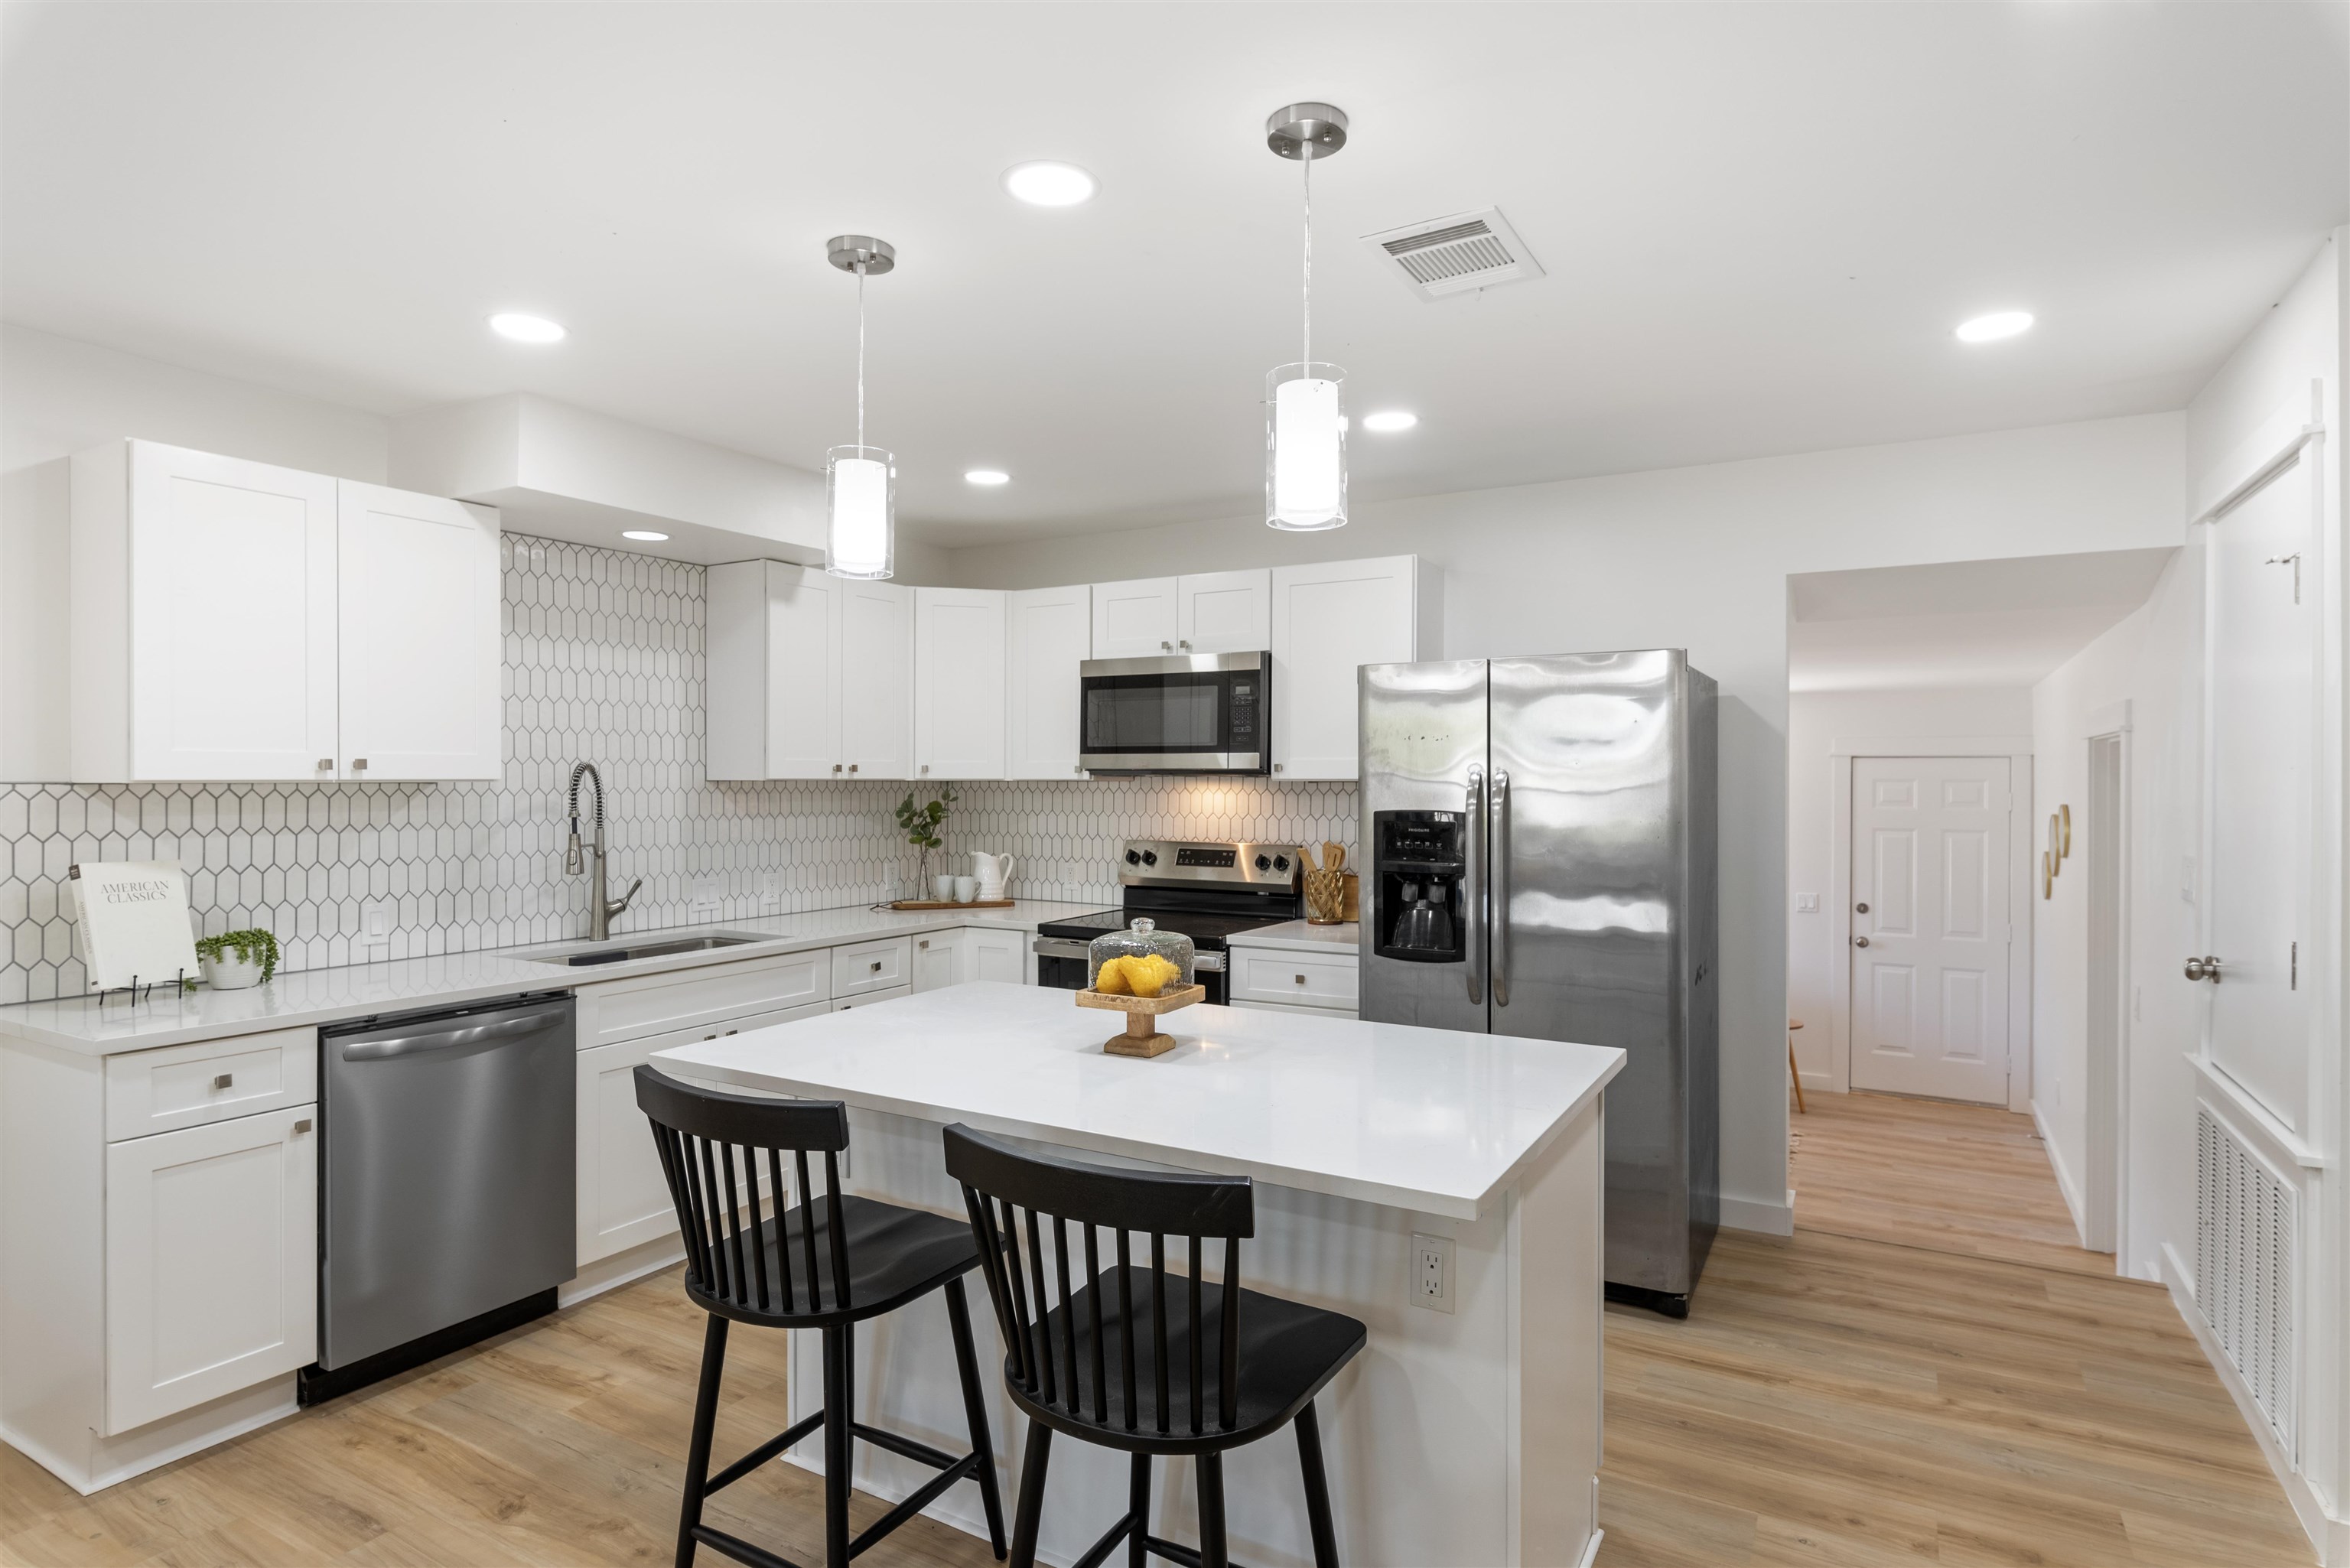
883, 965
999, 955
212, 1262
938, 960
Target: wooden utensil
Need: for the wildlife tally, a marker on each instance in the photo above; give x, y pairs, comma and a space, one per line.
1142, 1036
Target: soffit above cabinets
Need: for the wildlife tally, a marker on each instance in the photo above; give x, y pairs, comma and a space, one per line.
562, 472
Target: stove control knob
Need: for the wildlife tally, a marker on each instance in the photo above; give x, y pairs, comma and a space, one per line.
1281, 862
1134, 857
1264, 864
1151, 857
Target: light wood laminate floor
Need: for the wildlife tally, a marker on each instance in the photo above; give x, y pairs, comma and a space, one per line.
1833, 1399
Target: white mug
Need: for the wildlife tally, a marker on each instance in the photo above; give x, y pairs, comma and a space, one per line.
993, 871
942, 886
966, 889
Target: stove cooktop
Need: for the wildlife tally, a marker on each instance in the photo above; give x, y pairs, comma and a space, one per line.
1207, 930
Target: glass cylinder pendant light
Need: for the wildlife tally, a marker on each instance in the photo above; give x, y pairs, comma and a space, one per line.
860, 482
1306, 403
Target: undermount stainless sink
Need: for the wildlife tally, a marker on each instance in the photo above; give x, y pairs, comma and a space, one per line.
621, 952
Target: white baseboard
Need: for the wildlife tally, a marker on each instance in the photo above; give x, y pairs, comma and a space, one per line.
101, 1462
610, 1273
1759, 1214
1821, 1084
2064, 1183
1591, 1549
2329, 1537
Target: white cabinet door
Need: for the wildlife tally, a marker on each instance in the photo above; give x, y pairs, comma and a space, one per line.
1139, 619
996, 955
876, 679
1327, 621
1224, 612
958, 683
1048, 633
231, 617
772, 704
212, 1262
941, 959
417, 641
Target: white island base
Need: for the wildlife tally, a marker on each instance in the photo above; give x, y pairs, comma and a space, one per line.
1468, 1437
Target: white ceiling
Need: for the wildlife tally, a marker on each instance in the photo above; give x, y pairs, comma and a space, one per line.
1760, 221
1963, 623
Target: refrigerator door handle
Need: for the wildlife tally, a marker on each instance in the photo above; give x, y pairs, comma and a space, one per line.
1473, 882
1498, 877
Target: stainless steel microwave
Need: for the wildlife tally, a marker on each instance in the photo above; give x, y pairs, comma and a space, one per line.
1186, 713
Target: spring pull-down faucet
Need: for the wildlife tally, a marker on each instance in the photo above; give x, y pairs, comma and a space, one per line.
600, 907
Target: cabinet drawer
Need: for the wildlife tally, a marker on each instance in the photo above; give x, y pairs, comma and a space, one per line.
842, 1004
871, 965
210, 1080
693, 999
1302, 979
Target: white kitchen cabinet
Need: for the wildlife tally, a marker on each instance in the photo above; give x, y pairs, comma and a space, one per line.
958, 670
1048, 634
417, 636
886, 964
998, 955
876, 679
1137, 620
1224, 612
1328, 620
234, 621
941, 959
771, 708
212, 1262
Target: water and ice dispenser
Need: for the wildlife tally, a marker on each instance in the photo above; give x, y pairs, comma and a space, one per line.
1417, 863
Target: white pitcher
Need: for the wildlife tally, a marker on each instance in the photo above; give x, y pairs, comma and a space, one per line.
993, 871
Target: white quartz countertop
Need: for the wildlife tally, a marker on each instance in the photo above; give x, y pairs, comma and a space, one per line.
317, 996
1427, 1119
1297, 936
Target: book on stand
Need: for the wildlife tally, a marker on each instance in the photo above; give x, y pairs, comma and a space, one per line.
131, 916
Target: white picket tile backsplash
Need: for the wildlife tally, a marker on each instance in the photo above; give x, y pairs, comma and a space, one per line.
603, 662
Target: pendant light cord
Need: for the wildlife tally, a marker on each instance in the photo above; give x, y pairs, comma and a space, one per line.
860, 358
1307, 351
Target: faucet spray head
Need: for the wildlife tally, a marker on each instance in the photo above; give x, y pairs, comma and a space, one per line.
573, 861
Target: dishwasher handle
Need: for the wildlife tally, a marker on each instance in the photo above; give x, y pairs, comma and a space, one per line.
450, 1040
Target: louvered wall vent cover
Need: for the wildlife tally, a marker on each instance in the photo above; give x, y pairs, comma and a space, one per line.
1454, 254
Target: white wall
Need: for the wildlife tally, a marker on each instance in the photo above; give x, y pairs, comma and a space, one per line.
1817, 722
1699, 558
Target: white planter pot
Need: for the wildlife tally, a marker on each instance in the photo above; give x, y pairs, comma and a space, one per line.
225, 973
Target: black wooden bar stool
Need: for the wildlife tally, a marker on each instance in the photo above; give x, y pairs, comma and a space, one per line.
867, 1258
1111, 1364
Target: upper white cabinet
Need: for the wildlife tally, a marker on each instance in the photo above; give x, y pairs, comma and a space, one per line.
1328, 620
809, 676
417, 635
235, 620
958, 666
1049, 632
1206, 612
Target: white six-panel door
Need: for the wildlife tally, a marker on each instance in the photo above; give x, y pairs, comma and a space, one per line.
417, 644
1929, 926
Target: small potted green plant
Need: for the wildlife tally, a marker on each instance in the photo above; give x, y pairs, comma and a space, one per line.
925, 828
235, 960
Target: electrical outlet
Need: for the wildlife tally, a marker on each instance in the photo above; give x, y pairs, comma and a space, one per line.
771, 892
1807, 903
1431, 1272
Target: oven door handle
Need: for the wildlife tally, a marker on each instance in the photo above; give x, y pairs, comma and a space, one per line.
1207, 963
1061, 948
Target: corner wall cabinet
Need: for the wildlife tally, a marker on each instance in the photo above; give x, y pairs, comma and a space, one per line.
233, 620
809, 676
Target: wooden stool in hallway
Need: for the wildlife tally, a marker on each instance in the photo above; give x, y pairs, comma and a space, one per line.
1796, 1074
868, 1258
1112, 1365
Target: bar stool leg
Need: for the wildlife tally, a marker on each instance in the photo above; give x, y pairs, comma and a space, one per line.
1030, 1512
1317, 1488
1213, 1553
974, 1406
705, 1420
839, 1352
1137, 1504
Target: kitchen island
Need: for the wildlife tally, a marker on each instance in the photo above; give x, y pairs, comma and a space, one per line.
1467, 1432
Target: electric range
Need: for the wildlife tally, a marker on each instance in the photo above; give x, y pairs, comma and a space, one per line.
1208, 890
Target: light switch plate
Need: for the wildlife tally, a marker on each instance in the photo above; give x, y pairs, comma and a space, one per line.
1431, 1271
1807, 903
705, 895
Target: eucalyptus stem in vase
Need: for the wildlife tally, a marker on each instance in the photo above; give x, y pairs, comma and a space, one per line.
925, 828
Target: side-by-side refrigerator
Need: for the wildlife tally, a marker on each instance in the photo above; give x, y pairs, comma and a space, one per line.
1540, 837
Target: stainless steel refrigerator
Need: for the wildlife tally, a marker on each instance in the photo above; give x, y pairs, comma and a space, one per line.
1540, 839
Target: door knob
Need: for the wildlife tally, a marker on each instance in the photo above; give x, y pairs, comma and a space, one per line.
2203, 968
1862, 907
1860, 941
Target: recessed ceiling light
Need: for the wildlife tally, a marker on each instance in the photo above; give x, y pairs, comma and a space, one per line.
526, 329
1389, 420
1049, 185
643, 535
986, 476
1990, 329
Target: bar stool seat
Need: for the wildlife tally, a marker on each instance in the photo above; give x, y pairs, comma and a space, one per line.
895, 1256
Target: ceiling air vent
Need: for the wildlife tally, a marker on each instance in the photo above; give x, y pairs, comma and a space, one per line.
1450, 256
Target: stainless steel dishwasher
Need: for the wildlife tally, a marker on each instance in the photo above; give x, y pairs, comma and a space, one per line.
447, 1205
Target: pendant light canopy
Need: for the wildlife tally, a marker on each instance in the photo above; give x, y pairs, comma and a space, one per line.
1306, 403
860, 482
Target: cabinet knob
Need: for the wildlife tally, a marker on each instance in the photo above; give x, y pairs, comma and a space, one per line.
1183, 642
1277, 768
836, 768
924, 944
926, 770
877, 966
303, 1126
359, 764
326, 764
222, 1080
1301, 979
852, 767
1166, 647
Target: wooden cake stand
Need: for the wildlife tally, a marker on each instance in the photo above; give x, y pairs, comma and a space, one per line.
1142, 1036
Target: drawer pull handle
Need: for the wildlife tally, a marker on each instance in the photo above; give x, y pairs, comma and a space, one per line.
733, 1031
877, 966
1301, 979
222, 1080
303, 1126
